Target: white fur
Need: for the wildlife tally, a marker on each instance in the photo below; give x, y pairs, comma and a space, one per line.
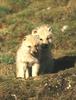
44, 33
25, 59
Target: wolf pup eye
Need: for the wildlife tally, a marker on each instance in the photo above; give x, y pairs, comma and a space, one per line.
41, 39
29, 46
48, 38
35, 46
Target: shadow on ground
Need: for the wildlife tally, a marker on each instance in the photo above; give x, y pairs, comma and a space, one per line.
63, 63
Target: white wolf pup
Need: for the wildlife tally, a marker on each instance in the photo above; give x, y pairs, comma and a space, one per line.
45, 35
26, 57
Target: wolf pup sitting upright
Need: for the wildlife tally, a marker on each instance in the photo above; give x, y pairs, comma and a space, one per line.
26, 57
44, 32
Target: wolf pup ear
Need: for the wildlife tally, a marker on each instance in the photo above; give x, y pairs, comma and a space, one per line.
34, 31
50, 29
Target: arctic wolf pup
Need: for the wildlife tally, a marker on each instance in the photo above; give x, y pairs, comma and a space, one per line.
26, 57
45, 35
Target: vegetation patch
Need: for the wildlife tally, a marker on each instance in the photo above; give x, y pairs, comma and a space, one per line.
17, 19
8, 59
